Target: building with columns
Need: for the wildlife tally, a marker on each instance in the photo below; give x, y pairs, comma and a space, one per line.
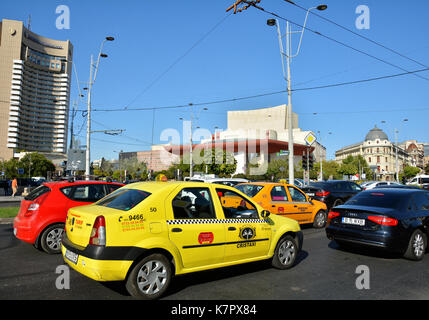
382, 155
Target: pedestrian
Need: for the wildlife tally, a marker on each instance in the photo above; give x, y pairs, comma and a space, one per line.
14, 187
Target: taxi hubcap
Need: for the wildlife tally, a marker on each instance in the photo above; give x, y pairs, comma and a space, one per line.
53, 239
152, 277
286, 252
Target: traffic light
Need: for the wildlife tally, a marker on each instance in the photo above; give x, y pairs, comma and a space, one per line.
310, 162
304, 161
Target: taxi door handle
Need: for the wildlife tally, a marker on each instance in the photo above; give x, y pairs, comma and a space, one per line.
232, 229
176, 230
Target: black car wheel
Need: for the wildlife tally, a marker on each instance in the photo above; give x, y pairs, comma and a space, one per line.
417, 246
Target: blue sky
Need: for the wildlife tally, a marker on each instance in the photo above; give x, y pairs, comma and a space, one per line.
156, 60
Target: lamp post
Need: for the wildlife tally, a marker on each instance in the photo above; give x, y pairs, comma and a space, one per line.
92, 78
191, 164
288, 55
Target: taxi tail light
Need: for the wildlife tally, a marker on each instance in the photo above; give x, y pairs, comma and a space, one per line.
323, 193
35, 205
384, 221
98, 233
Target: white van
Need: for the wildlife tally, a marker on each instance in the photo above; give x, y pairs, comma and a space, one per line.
419, 180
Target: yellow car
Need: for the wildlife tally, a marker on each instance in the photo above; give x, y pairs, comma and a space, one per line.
286, 200
145, 233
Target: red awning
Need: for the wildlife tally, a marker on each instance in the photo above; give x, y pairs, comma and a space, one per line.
247, 146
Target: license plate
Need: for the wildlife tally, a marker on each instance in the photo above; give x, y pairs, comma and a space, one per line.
15, 231
310, 194
71, 256
358, 222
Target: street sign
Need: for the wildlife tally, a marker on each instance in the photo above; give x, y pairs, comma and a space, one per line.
20, 171
310, 139
76, 160
283, 153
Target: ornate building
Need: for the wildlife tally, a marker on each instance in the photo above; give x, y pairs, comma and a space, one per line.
382, 155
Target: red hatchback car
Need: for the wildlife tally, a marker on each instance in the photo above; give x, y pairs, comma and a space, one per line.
43, 211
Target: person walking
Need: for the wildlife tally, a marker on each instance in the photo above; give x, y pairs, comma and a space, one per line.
14, 187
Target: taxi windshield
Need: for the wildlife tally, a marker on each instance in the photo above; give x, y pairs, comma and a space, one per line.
124, 199
249, 190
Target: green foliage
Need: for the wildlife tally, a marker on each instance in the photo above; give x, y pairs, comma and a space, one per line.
34, 165
410, 172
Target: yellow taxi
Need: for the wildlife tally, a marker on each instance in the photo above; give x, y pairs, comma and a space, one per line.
146, 233
286, 200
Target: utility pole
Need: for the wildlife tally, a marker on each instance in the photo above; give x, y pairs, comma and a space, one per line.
271, 22
88, 124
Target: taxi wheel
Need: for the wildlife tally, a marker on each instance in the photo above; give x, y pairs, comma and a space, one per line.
51, 238
320, 219
150, 278
285, 253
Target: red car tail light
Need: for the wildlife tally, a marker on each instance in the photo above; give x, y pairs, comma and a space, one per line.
323, 193
34, 207
385, 221
333, 214
98, 233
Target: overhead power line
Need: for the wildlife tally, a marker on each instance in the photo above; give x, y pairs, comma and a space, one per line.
359, 35
330, 38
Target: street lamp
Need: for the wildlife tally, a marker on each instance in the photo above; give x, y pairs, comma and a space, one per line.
191, 173
91, 82
288, 55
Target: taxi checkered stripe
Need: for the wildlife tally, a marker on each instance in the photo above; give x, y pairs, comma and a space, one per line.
203, 221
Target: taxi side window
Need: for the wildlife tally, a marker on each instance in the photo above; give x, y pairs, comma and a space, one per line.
296, 195
235, 206
193, 203
278, 193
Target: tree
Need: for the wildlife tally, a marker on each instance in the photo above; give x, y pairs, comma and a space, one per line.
410, 172
427, 168
36, 165
278, 168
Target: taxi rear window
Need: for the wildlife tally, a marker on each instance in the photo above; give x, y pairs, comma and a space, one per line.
124, 199
249, 190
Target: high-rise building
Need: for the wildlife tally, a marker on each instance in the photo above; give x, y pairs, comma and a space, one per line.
35, 77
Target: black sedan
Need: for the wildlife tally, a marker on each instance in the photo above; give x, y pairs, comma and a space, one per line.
332, 192
393, 219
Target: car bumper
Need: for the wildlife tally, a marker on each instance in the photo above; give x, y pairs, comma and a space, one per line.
381, 239
24, 230
98, 262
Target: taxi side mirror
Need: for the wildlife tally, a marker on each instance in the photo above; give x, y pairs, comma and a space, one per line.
265, 213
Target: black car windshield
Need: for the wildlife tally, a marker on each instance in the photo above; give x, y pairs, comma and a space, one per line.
124, 199
379, 199
249, 190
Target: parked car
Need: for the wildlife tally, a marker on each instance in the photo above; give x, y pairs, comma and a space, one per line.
286, 200
41, 217
393, 219
146, 233
332, 192
378, 184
